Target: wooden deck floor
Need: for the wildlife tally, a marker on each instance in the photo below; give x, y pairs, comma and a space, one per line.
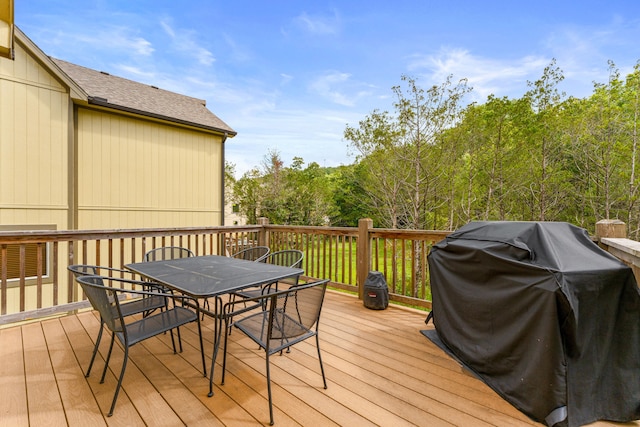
380, 371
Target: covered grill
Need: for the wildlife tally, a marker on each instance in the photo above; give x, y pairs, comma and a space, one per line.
544, 316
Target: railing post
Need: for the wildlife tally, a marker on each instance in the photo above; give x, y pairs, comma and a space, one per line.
613, 228
363, 263
627, 251
263, 236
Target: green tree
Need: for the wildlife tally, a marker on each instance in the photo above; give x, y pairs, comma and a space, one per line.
403, 154
294, 195
247, 195
351, 200
544, 181
380, 173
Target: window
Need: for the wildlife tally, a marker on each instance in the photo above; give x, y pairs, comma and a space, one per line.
31, 259
236, 208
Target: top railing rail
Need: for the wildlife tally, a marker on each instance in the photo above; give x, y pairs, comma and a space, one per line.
34, 280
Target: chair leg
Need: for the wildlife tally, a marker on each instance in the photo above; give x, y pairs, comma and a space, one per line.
106, 362
95, 348
324, 379
179, 340
124, 366
269, 390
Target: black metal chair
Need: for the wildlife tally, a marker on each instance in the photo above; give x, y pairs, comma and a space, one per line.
255, 253
144, 304
287, 258
290, 316
167, 252
106, 300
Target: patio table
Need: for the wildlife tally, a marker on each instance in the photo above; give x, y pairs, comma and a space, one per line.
210, 276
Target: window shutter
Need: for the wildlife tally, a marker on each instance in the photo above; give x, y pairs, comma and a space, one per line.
30, 260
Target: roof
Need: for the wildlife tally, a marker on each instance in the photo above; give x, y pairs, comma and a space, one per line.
110, 91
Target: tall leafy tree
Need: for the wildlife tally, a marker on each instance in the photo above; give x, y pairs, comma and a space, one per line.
632, 97
351, 199
294, 195
403, 150
247, 194
543, 149
423, 116
380, 175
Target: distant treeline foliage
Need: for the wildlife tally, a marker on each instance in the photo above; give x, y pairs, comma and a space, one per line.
433, 163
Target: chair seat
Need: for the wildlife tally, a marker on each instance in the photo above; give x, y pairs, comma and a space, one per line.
140, 305
250, 293
288, 331
156, 324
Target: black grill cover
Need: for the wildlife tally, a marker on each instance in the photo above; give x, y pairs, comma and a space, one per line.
544, 316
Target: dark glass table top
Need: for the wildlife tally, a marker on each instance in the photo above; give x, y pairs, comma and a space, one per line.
211, 275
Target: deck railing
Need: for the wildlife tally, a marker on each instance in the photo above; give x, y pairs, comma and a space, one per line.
346, 255
34, 281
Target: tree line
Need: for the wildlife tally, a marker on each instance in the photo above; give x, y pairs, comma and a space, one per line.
432, 162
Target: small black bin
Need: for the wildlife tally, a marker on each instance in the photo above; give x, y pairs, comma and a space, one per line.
376, 291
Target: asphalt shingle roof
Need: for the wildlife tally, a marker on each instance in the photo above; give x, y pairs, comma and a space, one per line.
120, 93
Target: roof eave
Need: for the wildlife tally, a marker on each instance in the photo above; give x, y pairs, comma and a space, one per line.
101, 102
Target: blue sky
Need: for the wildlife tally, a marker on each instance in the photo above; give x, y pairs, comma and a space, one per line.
290, 75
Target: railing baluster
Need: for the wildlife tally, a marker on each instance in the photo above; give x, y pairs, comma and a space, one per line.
54, 266
3, 279
38, 275
22, 269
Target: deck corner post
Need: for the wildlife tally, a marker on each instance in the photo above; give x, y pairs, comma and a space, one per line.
263, 236
612, 228
363, 263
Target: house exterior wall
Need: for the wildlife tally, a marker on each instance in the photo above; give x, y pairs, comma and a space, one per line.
34, 143
136, 173
66, 165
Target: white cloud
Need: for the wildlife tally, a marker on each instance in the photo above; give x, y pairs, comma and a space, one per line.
121, 39
285, 78
486, 75
136, 73
322, 25
583, 51
325, 86
313, 134
184, 41
238, 52
339, 88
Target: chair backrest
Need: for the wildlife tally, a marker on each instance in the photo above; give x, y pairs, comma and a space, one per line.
99, 270
167, 252
255, 253
287, 258
84, 270
103, 300
296, 311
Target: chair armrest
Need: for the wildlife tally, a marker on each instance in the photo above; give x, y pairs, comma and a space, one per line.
181, 297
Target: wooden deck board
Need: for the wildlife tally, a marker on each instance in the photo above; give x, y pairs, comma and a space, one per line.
380, 371
13, 404
45, 404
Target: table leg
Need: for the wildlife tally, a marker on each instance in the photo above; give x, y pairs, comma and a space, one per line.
204, 363
217, 334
